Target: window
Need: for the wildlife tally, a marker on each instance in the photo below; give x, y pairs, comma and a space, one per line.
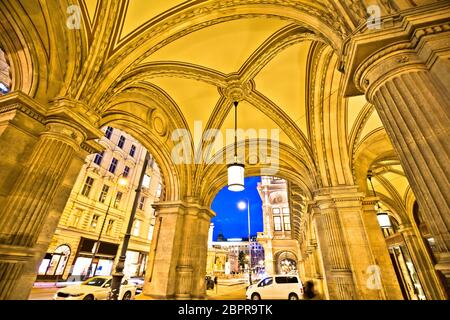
146, 182
87, 186
286, 279
3, 89
103, 193
126, 171
94, 222
158, 191
109, 227
150, 232
75, 218
277, 223
113, 165
121, 142
285, 210
98, 158
141, 203
118, 198
108, 132
132, 150
276, 210
265, 282
287, 223
137, 226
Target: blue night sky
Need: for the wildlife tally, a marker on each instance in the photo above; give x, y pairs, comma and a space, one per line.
231, 221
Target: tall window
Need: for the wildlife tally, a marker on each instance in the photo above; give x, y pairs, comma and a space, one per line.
132, 150
109, 227
113, 165
126, 171
158, 191
103, 193
287, 223
87, 186
277, 223
146, 182
108, 132
94, 222
137, 226
141, 203
121, 142
118, 199
75, 218
99, 157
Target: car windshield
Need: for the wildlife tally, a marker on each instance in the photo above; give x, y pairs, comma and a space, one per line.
97, 282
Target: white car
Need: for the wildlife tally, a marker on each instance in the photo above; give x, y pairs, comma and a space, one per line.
276, 287
96, 288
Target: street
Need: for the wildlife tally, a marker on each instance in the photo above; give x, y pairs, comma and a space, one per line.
225, 291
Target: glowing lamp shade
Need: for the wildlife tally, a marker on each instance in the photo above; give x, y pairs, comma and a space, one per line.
236, 177
383, 219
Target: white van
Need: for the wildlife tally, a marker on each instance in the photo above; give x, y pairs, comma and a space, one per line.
276, 287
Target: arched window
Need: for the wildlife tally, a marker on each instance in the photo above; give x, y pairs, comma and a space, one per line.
5, 79
286, 263
58, 261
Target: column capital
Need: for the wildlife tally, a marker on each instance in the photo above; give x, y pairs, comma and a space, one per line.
397, 39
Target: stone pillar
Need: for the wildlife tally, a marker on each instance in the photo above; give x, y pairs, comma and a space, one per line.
389, 283
178, 254
200, 258
403, 70
340, 284
423, 263
40, 144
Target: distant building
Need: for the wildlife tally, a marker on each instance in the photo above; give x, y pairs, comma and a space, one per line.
97, 188
281, 250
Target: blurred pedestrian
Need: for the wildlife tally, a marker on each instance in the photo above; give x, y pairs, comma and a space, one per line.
308, 292
215, 283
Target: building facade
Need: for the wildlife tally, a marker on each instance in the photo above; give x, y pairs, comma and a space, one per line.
282, 254
349, 93
100, 206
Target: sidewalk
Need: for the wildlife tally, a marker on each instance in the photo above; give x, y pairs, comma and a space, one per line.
48, 284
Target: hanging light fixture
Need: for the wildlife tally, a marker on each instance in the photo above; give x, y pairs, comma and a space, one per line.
235, 170
382, 216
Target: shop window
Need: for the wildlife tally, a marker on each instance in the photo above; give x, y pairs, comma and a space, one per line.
277, 223
54, 264
87, 186
108, 132
121, 142
103, 193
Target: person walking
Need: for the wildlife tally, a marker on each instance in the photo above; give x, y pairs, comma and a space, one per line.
215, 283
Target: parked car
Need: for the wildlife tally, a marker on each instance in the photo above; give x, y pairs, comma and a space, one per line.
276, 287
95, 288
139, 283
209, 282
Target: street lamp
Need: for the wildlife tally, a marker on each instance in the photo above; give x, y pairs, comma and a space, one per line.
382, 216
242, 205
118, 274
122, 181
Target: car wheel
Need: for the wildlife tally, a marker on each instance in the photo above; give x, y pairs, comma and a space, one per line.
89, 297
293, 296
127, 296
256, 296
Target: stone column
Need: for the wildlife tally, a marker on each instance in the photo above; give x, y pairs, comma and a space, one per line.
403, 70
40, 144
201, 254
423, 263
389, 283
160, 277
340, 284
178, 254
